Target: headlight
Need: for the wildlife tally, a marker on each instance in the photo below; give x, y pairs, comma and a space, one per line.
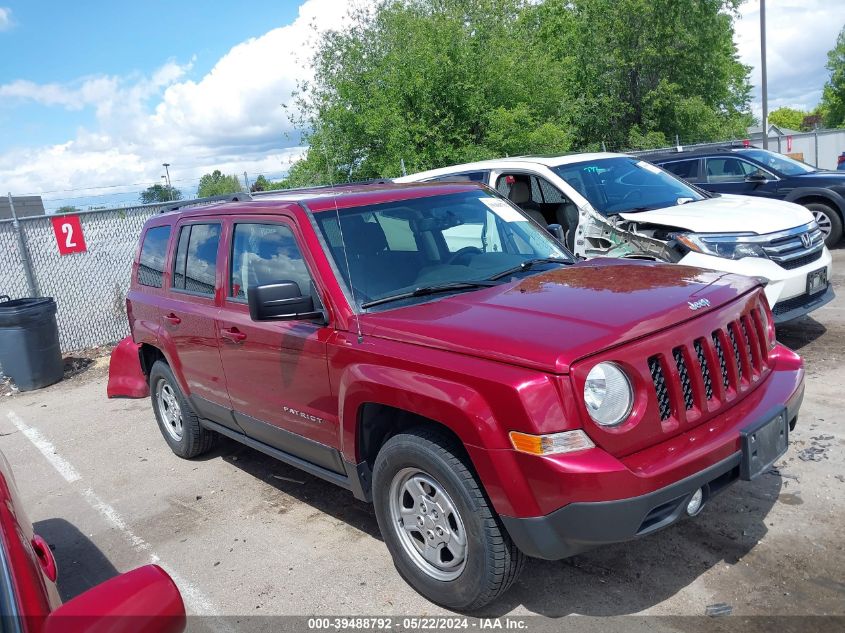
608, 394
729, 245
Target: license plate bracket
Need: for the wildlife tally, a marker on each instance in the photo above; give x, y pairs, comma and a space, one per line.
763, 444
817, 281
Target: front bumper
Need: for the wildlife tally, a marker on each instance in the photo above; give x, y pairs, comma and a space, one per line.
783, 284
578, 527
583, 525
802, 304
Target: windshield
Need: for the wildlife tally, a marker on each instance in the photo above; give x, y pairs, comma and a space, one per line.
398, 247
624, 184
784, 164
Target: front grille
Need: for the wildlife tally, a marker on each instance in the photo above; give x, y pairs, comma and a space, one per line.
735, 346
660, 388
723, 364
711, 370
704, 368
796, 247
802, 261
683, 374
782, 307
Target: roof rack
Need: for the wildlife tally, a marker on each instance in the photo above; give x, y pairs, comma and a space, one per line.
242, 196
353, 183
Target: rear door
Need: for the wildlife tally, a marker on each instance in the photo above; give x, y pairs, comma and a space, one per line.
190, 312
276, 371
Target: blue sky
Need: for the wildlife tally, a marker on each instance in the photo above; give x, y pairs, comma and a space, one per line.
95, 95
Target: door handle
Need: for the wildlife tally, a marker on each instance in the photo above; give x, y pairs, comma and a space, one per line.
233, 334
172, 318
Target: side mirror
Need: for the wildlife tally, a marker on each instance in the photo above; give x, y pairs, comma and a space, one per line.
281, 301
557, 231
757, 177
145, 599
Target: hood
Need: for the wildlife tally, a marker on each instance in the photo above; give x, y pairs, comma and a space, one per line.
549, 320
728, 214
820, 178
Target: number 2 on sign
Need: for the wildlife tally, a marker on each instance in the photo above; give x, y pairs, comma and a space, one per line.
67, 229
69, 235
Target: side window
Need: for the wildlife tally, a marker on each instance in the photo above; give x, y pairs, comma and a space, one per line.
686, 169
471, 176
726, 169
195, 266
153, 253
264, 254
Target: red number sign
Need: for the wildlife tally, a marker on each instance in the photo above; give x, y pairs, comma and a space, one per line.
69, 235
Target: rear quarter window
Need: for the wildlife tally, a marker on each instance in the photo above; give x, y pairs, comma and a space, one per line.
153, 253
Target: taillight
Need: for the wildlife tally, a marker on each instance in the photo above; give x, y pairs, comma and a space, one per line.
840, 159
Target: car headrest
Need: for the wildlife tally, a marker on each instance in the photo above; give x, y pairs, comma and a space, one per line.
519, 193
362, 237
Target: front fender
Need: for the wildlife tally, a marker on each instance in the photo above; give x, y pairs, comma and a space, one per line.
456, 406
818, 192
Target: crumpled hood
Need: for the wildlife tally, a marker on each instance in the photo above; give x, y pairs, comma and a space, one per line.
728, 214
551, 319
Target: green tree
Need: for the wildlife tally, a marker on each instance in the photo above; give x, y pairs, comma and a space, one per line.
217, 184
160, 193
68, 209
788, 118
436, 82
833, 98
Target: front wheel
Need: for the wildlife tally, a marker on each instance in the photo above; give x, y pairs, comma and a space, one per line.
445, 539
829, 222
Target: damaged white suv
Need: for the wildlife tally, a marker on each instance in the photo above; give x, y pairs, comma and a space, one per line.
613, 205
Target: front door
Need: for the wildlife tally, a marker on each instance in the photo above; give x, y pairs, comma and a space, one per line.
729, 174
276, 371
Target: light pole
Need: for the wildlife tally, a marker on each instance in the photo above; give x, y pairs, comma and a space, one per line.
764, 86
169, 186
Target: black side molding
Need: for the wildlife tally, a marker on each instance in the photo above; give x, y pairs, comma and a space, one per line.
355, 479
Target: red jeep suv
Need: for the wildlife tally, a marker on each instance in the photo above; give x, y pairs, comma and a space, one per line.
433, 350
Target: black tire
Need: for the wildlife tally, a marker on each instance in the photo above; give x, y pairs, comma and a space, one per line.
492, 561
834, 219
194, 440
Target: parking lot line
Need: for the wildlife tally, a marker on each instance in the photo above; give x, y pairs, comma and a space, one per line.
62, 466
197, 602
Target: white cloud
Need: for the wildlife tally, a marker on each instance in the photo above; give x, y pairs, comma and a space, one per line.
6, 19
231, 119
799, 33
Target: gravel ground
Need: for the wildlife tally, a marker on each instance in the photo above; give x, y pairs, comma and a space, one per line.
245, 535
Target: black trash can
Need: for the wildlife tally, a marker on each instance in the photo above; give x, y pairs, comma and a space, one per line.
29, 342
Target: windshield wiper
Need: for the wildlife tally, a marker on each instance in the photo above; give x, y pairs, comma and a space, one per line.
529, 264
430, 290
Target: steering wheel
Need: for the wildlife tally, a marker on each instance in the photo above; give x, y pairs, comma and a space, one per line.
463, 252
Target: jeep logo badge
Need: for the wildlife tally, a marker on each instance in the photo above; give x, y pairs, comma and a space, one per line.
806, 240
701, 303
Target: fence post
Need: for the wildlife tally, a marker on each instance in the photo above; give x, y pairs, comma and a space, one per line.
816, 147
27, 265
779, 148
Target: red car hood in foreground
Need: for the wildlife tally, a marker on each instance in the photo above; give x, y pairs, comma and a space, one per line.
549, 320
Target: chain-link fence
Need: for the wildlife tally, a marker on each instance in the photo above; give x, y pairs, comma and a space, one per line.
90, 287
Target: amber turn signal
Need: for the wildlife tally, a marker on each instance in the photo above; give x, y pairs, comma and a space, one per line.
554, 443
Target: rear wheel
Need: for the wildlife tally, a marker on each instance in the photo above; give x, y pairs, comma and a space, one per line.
177, 420
445, 539
828, 220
